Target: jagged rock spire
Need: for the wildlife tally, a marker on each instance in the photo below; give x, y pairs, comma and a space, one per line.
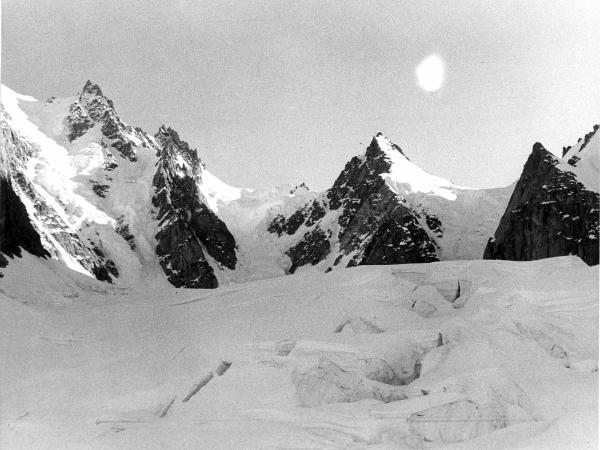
91, 88
187, 226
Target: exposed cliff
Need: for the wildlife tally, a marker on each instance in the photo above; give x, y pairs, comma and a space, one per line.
551, 211
188, 228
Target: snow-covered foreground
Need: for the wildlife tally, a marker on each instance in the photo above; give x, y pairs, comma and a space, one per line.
374, 356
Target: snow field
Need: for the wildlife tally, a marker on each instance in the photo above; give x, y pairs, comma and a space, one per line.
338, 360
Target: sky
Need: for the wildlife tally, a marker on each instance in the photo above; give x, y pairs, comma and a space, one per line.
274, 92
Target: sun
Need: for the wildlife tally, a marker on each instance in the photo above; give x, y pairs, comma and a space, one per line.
431, 73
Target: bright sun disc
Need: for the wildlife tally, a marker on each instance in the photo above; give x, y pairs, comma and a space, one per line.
430, 73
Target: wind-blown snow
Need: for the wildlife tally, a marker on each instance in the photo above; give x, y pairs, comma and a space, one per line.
510, 363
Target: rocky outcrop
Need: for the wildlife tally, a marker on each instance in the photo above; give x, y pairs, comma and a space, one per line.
582, 142
550, 213
312, 248
16, 230
188, 228
360, 219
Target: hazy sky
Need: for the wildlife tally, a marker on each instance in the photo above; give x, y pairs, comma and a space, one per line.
280, 91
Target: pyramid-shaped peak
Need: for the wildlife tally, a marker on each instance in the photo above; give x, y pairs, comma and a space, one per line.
91, 93
541, 152
381, 144
165, 132
171, 145
91, 88
538, 147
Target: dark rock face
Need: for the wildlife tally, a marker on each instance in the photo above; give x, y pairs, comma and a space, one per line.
20, 230
188, 227
549, 214
79, 122
99, 189
308, 215
372, 224
313, 247
16, 231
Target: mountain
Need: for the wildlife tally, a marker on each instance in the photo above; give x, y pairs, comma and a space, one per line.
384, 209
553, 210
188, 228
40, 210
115, 203
100, 195
111, 201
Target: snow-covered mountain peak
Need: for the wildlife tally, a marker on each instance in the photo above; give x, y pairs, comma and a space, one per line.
94, 101
383, 144
91, 88
91, 109
404, 176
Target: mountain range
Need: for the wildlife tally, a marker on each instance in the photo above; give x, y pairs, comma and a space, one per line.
79, 185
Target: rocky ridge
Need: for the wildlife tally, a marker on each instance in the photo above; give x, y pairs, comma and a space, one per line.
359, 219
551, 212
188, 228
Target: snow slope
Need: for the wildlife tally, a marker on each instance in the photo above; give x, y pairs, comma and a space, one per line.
406, 177
585, 161
462, 354
260, 254
468, 216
